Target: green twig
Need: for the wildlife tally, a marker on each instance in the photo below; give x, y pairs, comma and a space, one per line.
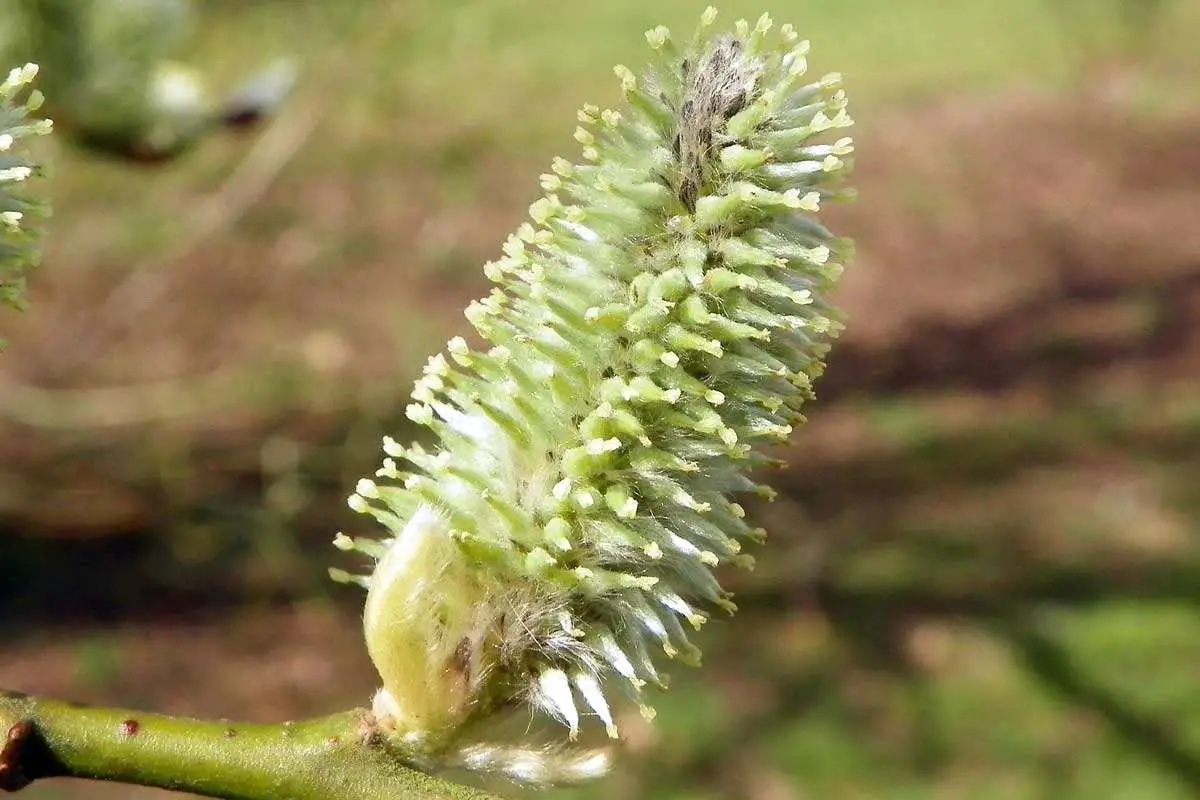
328, 758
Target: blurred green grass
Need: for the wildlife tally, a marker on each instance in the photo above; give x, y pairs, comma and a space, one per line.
512, 72
448, 85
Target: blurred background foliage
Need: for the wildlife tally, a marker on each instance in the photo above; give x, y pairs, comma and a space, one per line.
984, 572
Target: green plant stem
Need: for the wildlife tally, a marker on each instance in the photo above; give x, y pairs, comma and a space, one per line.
327, 758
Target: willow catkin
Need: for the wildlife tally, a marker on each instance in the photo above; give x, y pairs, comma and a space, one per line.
20, 235
661, 318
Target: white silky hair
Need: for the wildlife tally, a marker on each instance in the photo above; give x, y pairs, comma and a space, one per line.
534, 766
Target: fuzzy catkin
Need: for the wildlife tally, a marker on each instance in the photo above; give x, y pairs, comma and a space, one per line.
20, 233
661, 318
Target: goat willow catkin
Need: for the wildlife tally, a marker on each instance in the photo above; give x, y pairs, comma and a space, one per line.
662, 316
19, 233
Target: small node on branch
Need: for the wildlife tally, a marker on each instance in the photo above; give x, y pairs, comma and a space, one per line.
11, 776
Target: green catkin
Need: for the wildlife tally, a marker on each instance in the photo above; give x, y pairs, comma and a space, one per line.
660, 319
113, 76
20, 235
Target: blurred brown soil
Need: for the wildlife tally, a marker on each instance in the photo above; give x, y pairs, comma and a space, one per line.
1023, 243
